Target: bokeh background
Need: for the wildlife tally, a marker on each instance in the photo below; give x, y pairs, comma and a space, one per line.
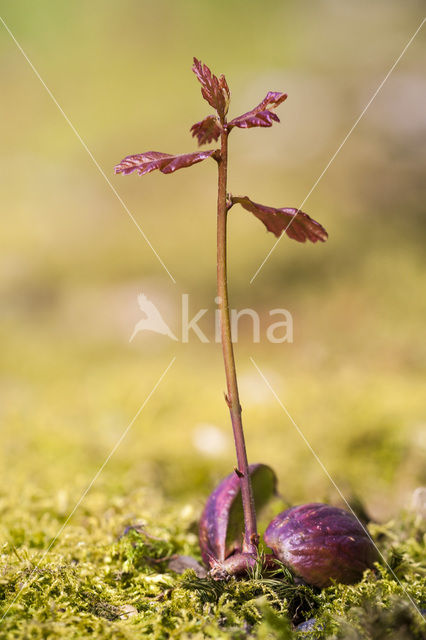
73, 262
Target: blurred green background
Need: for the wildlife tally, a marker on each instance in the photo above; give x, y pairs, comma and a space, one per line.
72, 261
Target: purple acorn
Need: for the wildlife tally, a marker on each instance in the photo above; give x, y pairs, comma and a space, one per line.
321, 544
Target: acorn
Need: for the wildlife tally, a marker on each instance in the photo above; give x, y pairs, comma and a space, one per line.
321, 544
222, 522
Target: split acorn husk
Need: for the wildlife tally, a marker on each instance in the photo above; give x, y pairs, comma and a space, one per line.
222, 522
319, 543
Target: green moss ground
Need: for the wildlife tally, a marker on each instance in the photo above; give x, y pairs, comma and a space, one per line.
84, 586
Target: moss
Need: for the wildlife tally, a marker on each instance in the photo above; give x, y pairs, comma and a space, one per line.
97, 571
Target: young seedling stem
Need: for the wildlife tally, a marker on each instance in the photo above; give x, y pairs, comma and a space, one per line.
232, 397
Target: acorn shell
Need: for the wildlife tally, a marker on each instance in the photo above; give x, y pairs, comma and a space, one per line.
321, 544
222, 522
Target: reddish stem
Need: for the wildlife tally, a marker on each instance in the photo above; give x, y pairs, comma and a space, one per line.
232, 397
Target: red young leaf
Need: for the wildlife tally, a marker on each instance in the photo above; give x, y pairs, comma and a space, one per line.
260, 116
295, 223
166, 163
207, 130
214, 90
261, 119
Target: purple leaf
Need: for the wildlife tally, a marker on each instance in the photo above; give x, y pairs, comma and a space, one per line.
207, 130
222, 522
151, 160
214, 90
260, 116
296, 224
321, 543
